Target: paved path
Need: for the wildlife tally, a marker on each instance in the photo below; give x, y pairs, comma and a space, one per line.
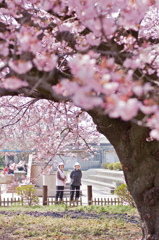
96, 192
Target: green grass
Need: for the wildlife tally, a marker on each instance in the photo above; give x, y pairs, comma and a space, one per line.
15, 208
23, 226
62, 207
109, 209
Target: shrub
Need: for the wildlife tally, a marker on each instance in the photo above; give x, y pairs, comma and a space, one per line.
110, 166
117, 166
124, 194
105, 165
27, 193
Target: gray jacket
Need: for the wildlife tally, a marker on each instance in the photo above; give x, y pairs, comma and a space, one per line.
76, 176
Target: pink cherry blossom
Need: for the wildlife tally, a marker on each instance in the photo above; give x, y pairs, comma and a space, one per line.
20, 66
4, 49
148, 109
132, 63
86, 101
92, 40
155, 134
147, 87
92, 56
125, 110
109, 26
45, 62
138, 90
111, 87
83, 67
14, 83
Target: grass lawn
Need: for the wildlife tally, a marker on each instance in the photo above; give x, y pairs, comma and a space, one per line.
22, 226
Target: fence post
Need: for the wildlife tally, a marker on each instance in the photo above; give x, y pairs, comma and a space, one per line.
89, 194
44, 195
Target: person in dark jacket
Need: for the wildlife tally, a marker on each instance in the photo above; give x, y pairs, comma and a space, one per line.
75, 183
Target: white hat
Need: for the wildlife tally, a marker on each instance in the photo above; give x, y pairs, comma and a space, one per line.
61, 163
77, 164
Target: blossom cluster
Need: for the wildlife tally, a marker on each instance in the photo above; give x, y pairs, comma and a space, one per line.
48, 129
105, 53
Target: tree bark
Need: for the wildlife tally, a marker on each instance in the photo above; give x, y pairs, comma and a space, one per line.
140, 162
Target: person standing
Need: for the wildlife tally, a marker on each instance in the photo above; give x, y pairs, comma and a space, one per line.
75, 183
12, 167
5, 171
20, 166
25, 167
60, 181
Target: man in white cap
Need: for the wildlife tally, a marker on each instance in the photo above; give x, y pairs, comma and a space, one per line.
75, 183
60, 182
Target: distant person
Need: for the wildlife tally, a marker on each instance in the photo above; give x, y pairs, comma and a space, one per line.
10, 162
8, 165
25, 167
20, 166
60, 181
5, 171
12, 167
75, 183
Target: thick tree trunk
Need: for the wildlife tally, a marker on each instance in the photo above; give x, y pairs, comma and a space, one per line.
140, 161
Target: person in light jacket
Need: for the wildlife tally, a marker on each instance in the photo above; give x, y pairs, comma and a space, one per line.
60, 181
75, 183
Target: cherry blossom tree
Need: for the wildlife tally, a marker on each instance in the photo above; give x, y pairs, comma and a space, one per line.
101, 56
46, 128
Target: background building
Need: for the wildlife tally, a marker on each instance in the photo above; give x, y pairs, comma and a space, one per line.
104, 152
